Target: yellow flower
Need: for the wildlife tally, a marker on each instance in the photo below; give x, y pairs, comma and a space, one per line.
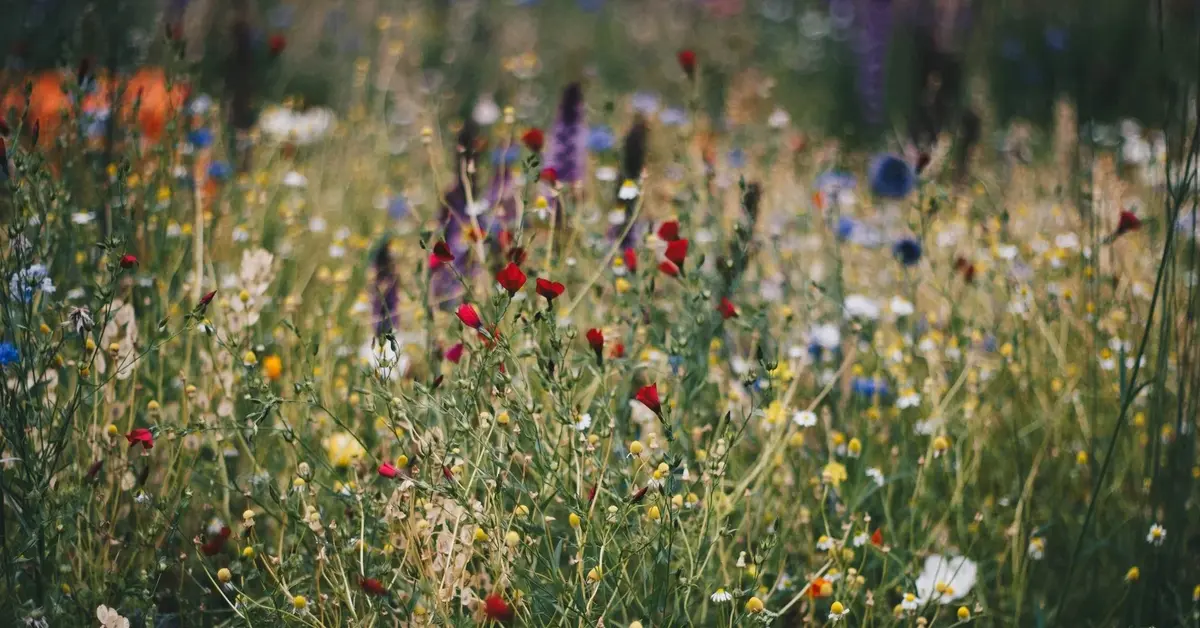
299, 602
1133, 574
834, 473
941, 444
854, 447
249, 359
512, 538
111, 430
963, 613
224, 575
837, 608
272, 367
343, 449
653, 513
754, 605
480, 535
636, 448
1081, 458
248, 552
595, 574
574, 520
622, 285
774, 414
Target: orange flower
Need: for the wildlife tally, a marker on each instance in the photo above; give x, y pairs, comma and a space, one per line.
272, 367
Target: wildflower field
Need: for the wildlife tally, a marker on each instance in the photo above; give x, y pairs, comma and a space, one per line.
600, 314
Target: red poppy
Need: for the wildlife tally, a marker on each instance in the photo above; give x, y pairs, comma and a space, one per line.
726, 309
372, 586
534, 139
441, 254
1128, 222
388, 470
595, 339
630, 256
128, 261
549, 289
669, 268
687, 61
618, 350
549, 175
468, 316
276, 44
496, 609
877, 537
677, 251
669, 231
140, 435
517, 255
648, 396
511, 278
454, 354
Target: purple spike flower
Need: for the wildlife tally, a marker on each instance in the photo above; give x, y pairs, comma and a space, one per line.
874, 36
567, 152
385, 294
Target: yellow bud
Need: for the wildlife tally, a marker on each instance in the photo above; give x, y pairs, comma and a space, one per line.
1081, 458
512, 538
653, 513
573, 519
402, 461
480, 535
299, 602
754, 605
595, 574
224, 575
111, 430
963, 613
636, 448
248, 553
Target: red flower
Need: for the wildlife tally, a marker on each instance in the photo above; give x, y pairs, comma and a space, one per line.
454, 354
630, 256
877, 537
677, 251
441, 254
511, 278
128, 261
372, 586
669, 231
534, 139
276, 44
648, 396
140, 435
618, 350
388, 471
205, 300
1128, 222
668, 267
687, 61
496, 609
549, 175
217, 543
726, 309
505, 238
549, 289
595, 339
815, 587
517, 255
468, 316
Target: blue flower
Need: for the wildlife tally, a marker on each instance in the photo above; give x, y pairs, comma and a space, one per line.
891, 177
832, 180
28, 281
9, 354
737, 158
907, 250
219, 170
869, 387
676, 363
509, 157
201, 137
600, 139
673, 116
397, 208
645, 102
989, 343
845, 228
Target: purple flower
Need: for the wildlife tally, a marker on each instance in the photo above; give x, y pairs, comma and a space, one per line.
385, 293
874, 36
567, 152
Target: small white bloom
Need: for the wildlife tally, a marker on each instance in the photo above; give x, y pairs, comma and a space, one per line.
82, 218
828, 337
316, 224
1066, 241
721, 595
1037, 548
110, 618
860, 539
486, 111
607, 174
584, 422
616, 217
910, 602
778, 119
294, 179
908, 399
805, 418
825, 543
629, 191
901, 307
859, 306
1157, 535
876, 475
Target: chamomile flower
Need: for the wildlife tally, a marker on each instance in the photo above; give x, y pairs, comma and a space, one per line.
721, 596
1157, 535
860, 539
1037, 548
824, 543
876, 475
837, 611
910, 602
629, 190
804, 418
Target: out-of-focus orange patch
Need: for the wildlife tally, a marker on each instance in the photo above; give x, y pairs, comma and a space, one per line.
147, 94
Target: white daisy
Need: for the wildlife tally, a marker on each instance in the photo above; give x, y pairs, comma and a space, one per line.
1157, 535
805, 418
721, 595
584, 422
629, 190
876, 475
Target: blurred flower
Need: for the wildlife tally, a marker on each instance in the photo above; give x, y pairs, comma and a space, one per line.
219, 171
646, 103
141, 435
201, 137
859, 306
9, 354
343, 449
891, 177
569, 138
486, 111
496, 609
1156, 535
110, 618
907, 250
30, 280
804, 418
600, 139
1037, 548
868, 387
720, 596
944, 579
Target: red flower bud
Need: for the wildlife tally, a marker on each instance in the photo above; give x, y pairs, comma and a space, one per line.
669, 231
128, 261
1128, 222
549, 175
454, 354
511, 278
595, 339
648, 396
630, 257
441, 254
877, 537
468, 316
496, 609
687, 61
534, 139
276, 43
669, 268
726, 309
372, 586
387, 470
677, 252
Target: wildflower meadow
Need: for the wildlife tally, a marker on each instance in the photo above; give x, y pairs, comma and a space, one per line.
623, 313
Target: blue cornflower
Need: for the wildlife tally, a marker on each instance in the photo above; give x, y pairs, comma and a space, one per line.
907, 250
9, 354
600, 139
219, 170
869, 387
201, 137
737, 158
845, 228
397, 208
891, 177
676, 363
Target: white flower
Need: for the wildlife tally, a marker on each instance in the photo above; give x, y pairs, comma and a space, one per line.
1066, 241
200, 104
30, 280
859, 306
860, 539
585, 421
82, 218
876, 475
486, 111
911, 602
828, 337
629, 191
383, 361
901, 307
721, 595
945, 580
1157, 535
778, 119
110, 618
1037, 548
805, 418
607, 174
825, 543
294, 179
616, 217
908, 399
834, 616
